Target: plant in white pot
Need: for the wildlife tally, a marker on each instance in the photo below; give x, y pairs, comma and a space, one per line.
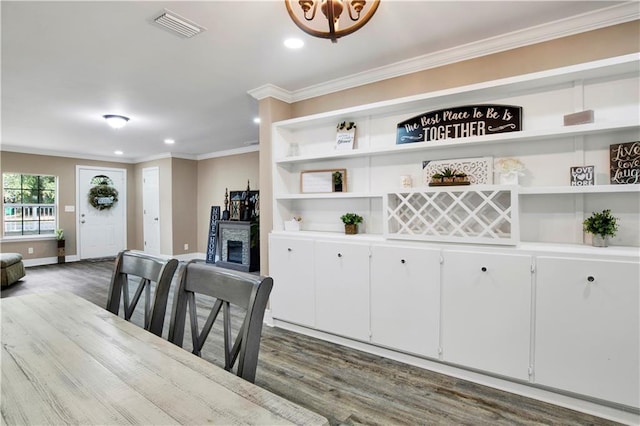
602, 225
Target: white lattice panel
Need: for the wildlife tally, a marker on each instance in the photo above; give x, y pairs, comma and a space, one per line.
485, 214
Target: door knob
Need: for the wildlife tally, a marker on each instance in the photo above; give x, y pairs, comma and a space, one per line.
82, 221
155, 218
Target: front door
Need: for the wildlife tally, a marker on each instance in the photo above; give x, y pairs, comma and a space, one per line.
101, 211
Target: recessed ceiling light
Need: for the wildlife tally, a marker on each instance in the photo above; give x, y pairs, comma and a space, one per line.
256, 120
169, 141
118, 152
294, 43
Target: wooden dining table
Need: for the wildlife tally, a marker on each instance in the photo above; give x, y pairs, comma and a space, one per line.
68, 361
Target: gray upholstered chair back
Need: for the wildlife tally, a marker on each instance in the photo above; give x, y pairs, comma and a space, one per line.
228, 287
145, 269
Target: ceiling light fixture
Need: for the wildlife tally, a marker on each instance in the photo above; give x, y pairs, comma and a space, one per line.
116, 121
169, 141
304, 16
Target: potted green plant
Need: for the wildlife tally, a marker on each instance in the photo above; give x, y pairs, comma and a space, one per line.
448, 175
337, 181
436, 178
60, 240
460, 177
602, 225
351, 221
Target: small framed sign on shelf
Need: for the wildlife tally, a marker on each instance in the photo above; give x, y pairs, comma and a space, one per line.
320, 181
345, 135
583, 176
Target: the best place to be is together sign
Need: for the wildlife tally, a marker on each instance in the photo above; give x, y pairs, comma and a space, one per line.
460, 122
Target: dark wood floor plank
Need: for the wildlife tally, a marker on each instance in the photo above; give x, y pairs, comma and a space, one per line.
345, 385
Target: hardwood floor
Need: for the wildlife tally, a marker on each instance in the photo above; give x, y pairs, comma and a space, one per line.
345, 385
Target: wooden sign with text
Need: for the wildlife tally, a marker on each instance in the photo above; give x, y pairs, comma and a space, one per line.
460, 122
624, 160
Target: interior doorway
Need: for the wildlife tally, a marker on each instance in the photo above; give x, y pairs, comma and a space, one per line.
151, 210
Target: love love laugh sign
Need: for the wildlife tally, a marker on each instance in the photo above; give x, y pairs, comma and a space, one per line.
624, 159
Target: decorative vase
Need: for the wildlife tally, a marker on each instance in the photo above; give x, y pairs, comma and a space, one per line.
61, 251
510, 178
350, 228
600, 241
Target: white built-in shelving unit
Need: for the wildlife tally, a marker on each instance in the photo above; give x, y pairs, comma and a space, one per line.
433, 280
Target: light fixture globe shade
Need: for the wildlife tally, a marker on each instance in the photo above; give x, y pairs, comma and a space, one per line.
116, 121
336, 18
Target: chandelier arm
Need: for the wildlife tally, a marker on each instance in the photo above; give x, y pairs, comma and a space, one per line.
313, 12
351, 14
332, 21
361, 22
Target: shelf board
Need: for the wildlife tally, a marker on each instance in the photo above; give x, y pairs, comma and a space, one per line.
510, 137
328, 196
595, 189
522, 190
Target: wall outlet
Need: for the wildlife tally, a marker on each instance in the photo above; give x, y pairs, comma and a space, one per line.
186, 246
30, 250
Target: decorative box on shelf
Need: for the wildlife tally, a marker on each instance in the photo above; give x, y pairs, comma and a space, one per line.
485, 214
291, 225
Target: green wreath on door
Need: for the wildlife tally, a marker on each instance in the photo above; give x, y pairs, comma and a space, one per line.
103, 195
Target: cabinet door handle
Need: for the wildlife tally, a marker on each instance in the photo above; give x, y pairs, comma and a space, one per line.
339, 254
591, 278
403, 261
483, 269
289, 249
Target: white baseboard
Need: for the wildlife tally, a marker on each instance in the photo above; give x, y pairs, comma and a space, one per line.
47, 260
268, 318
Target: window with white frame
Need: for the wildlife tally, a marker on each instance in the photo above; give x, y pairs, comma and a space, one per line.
29, 203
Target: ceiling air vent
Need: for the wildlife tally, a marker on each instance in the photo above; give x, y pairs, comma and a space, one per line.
178, 24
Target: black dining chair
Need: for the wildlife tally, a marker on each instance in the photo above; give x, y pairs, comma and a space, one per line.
247, 293
142, 269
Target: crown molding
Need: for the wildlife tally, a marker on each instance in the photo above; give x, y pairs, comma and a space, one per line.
247, 149
164, 155
65, 154
271, 91
613, 15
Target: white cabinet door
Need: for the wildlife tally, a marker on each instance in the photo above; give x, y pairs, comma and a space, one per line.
405, 298
342, 288
486, 311
291, 267
587, 327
